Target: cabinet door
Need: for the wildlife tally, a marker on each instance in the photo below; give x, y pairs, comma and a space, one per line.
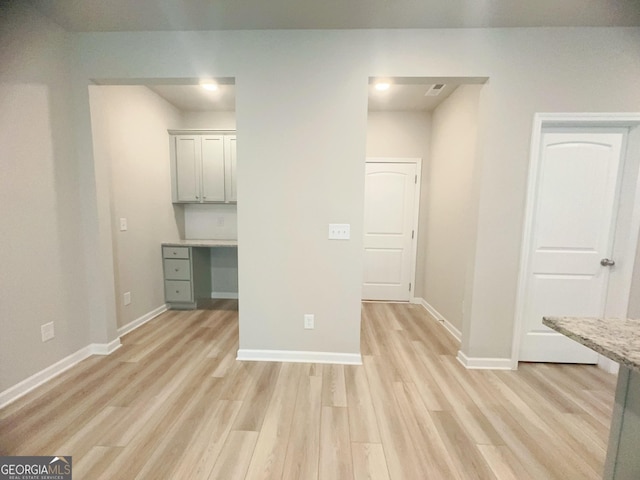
230, 168
212, 168
188, 168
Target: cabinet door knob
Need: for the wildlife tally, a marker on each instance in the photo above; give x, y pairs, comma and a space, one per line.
177, 269
177, 291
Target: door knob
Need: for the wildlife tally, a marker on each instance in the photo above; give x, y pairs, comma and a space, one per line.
605, 262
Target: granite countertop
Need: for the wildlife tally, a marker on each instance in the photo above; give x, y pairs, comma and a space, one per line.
617, 339
201, 243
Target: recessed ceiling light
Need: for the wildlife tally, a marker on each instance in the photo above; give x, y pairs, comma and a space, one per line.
209, 86
381, 86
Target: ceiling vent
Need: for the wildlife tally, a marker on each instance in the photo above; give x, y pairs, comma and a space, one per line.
435, 90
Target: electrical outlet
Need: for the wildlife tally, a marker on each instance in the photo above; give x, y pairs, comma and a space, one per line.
339, 231
47, 331
123, 224
127, 298
309, 321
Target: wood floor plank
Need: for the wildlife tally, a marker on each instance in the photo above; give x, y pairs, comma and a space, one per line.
363, 426
271, 448
334, 392
303, 449
233, 462
336, 462
369, 462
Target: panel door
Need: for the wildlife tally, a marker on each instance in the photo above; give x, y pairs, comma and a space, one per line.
230, 168
188, 168
574, 217
388, 226
213, 168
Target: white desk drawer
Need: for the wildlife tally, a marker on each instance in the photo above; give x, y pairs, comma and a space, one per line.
175, 252
177, 269
177, 291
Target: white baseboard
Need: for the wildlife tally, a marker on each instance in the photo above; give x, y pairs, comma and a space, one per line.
457, 334
223, 295
105, 348
138, 322
486, 363
13, 393
608, 365
299, 357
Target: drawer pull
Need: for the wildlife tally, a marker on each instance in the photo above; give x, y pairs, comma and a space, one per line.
177, 269
175, 253
177, 291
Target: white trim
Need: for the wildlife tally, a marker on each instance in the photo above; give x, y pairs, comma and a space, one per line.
299, 357
13, 393
541, 120
608, 365
451, 328
223, 295
484, 363
138, 322
416, 160
105, 348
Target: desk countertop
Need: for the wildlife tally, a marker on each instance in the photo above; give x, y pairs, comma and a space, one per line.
617, 339
201, 243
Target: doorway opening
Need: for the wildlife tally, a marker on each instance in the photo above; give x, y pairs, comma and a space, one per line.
135, 126
430, 123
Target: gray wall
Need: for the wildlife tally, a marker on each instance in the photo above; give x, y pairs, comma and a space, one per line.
448, 230
130, 126
43, 270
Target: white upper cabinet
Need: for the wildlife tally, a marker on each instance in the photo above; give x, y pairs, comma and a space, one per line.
230, 168
203, 168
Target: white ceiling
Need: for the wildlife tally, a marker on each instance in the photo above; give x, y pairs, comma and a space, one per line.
194, 98
143, 15
405, 94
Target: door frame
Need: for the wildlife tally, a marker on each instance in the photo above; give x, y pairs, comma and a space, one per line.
416, 212
573, 120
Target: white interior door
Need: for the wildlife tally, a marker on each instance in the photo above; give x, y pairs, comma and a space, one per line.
390, 196
576, 198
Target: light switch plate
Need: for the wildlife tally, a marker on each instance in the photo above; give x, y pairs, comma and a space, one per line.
127, 298
339, 231
47, 331
123, 224
309, 321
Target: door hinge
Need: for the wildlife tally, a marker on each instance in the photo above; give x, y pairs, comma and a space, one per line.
412, 233
409, 286
416, 181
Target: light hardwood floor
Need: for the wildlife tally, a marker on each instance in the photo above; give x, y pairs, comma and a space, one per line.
173, 403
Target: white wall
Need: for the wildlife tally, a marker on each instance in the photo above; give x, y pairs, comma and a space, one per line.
43, 271
209, 120
133, 140
301, 111
404, 134
448, 229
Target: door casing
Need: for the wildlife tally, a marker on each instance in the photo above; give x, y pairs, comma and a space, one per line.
625, 270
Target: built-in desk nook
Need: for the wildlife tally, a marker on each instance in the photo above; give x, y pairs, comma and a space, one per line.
187, 271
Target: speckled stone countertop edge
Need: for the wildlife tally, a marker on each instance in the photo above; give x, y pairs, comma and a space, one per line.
608, 346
